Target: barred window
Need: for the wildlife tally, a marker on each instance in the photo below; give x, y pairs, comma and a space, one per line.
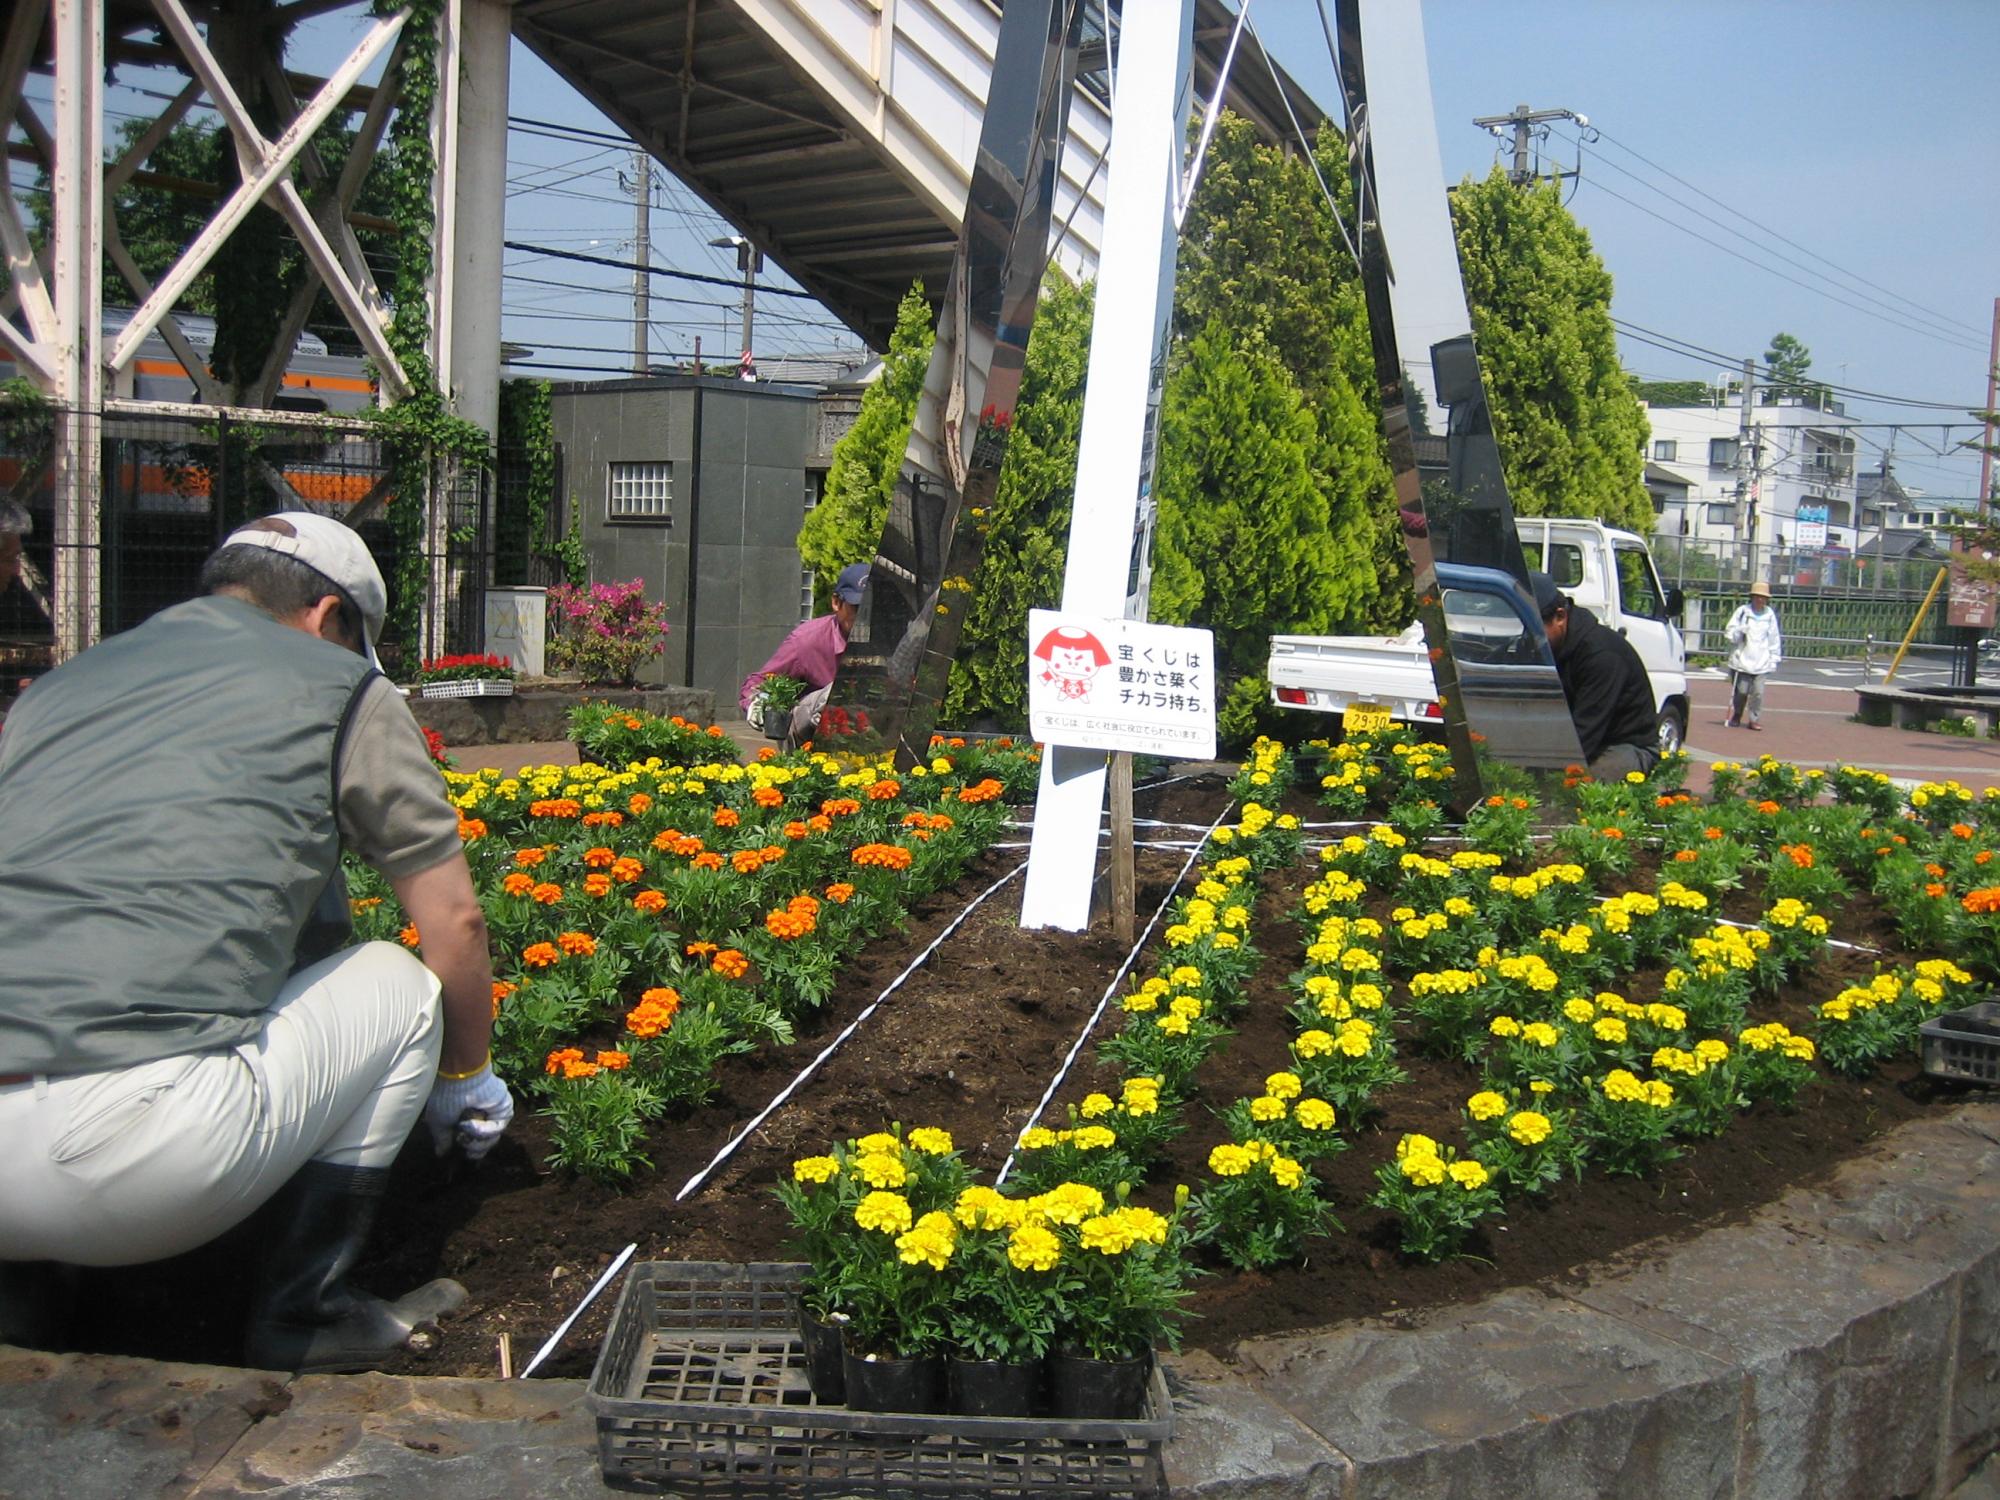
639, 492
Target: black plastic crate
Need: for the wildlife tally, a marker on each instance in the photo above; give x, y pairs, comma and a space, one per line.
700, 1389
1964, 1044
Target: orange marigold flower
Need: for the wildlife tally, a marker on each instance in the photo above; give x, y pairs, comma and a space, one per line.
603, 820
785, 924
768, 796
1985, 899
796, 830
699, 950
885, 791
1496, 801
541, 955
561, 1057
1767, 807
526, 858
555, 807
746, 861
580, 1069
727, 817
639, 804
649, 901
1685, 856
1933, 889
633, 724
839, 807
709, 861
654, 1013
730, 964
661, 995
838, 892
1612, 833
984, 791
625, 870
611, 1060
715, 731
1799, 854
599, 858
1936, 872
408, 936
547, 893
579, 944
597, 885
471, 828
766, 752
886, 856
501, 990
1983, 857
820, 823
518, 883
1961, 830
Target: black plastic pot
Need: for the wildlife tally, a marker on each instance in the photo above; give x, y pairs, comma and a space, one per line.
1102, 1390
777, 723
875, 1383
825, 1366
993, 1388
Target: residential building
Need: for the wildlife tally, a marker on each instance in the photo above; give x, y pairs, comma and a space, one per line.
1802, 454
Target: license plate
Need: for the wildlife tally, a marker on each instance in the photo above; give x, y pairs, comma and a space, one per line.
1364, 718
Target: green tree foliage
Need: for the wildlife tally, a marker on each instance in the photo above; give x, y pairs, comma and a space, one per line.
1571, 432
1028, 530
847, 523
1787, 361
1674, 392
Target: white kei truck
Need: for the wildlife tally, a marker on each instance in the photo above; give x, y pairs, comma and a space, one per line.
1370, 680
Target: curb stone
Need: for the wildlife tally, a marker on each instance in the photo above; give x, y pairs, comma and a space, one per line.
1843, 1342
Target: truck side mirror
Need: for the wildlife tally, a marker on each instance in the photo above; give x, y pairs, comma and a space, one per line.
1676, 604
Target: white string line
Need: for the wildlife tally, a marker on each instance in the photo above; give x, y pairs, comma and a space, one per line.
1104, 1000
588, 1297
833, 1046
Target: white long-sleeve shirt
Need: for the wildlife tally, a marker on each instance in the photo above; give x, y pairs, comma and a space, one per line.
1755, 642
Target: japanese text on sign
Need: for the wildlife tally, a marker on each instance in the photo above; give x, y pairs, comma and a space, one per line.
1121, 685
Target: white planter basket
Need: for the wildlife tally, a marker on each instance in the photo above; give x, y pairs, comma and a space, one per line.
476, 687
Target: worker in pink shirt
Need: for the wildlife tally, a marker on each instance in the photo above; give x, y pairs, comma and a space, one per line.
811, 653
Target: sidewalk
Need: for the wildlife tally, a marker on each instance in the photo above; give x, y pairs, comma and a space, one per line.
1814, 727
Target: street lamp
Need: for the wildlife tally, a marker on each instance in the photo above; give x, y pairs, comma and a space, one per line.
749, 260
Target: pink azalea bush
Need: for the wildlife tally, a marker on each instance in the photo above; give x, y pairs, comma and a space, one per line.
604, 631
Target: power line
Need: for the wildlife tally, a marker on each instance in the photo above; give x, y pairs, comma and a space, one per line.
765, 288
1932, 312
1691, 350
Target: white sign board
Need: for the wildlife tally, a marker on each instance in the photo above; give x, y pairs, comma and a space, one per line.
1121, 685
1809, 527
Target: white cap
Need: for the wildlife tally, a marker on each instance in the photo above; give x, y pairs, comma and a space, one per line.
328, 547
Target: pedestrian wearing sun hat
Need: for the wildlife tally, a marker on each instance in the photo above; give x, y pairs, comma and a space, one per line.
1756, 646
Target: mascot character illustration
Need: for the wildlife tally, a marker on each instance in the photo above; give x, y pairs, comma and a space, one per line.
1070, 658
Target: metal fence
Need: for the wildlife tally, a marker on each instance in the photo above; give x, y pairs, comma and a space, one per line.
169, 486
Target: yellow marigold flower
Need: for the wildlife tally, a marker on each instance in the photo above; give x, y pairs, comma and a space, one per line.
1486, 1105
1540, 1034
1095, 1106
880, 1170
1608, 1029
1709, 1051
1313, 1114
880, 1141
887, 1212
1314, 1043
1414, 1144
1659, 1095
1529, 1128
1282, 1086
1069, 1203
931, 1141
1230, 1160
981, 1207
1037, 1138
1666, 1017
1468, 1174
1185, 1005
1622, 1087
1424, 1171
1175, 1024
1287, 1173
930, 1243
1107, 1234
1144, 1224
1579, 1010
1504, 1026
814, 1169
1541, 1086
1141, 1001
1266, 1107
1092, 1138
1366, 996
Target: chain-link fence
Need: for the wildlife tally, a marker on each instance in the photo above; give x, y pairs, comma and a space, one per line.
126, 505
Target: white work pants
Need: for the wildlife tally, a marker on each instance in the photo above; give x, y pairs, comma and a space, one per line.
138, 1163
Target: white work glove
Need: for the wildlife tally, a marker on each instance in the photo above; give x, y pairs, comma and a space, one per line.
472, 1113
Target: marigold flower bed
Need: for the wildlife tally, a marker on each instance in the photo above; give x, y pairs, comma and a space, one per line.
968, 1045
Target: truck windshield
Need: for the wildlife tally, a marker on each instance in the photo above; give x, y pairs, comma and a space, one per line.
1638, 585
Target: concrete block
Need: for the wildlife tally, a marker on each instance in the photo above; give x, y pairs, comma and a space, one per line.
1521, 1394
359, 1437
1229, 1441
89, 1427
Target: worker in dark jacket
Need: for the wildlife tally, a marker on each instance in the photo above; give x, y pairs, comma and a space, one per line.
1610, 695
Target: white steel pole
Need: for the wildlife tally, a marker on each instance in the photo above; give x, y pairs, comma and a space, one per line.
79, 315
1134, 289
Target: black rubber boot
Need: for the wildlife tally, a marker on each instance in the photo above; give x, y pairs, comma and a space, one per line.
306, 1316
37, 1298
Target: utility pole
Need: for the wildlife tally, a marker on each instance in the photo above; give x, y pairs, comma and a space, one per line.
642, 257
1522, 121
1746, 466
1992, 395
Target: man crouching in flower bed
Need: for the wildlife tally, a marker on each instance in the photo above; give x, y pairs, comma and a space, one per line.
182, 1035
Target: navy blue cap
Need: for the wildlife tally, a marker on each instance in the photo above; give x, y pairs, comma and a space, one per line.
1548, 598
852, 581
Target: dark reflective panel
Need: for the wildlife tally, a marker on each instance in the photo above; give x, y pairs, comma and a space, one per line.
898, 662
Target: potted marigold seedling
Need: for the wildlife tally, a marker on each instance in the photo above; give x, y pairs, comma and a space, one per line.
777, 695
1124, 1300
1005, 1303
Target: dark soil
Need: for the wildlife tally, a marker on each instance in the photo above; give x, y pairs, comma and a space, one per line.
968, 1043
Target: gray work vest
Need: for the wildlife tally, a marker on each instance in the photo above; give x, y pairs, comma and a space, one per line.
166, 821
